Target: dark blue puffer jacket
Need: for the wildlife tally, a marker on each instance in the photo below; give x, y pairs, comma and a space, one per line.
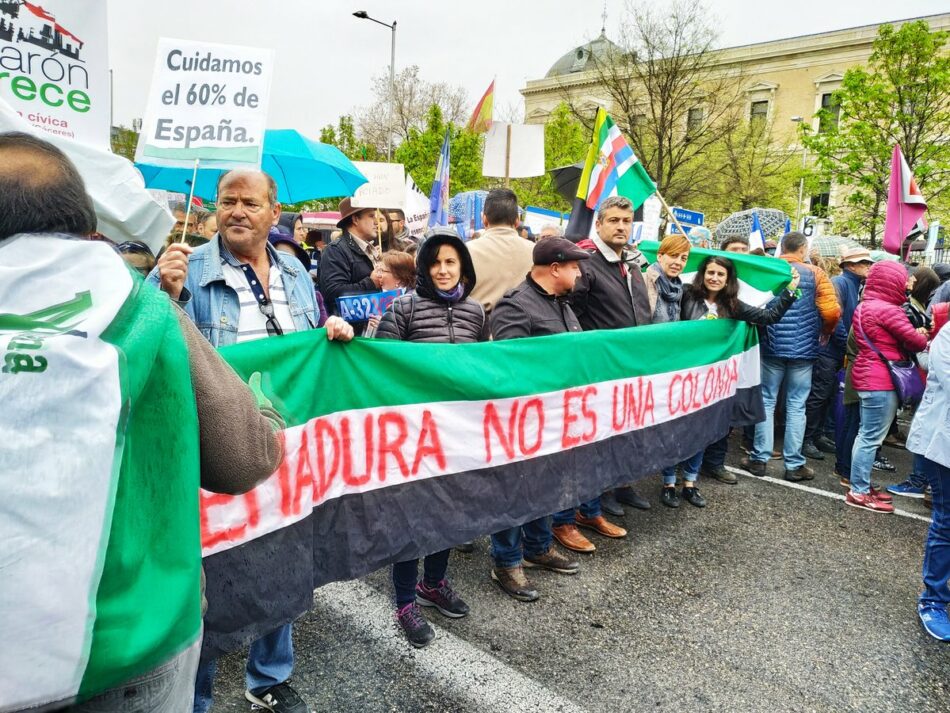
795, 336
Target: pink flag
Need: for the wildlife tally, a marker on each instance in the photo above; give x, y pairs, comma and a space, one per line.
905, 204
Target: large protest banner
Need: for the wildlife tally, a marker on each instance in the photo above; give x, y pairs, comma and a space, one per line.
463, 440
54, 66
206, 101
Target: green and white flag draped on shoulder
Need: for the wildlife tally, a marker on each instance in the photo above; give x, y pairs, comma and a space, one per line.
760, 277
100, 568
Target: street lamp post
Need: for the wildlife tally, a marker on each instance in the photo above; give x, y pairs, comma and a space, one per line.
801, 181
363, 15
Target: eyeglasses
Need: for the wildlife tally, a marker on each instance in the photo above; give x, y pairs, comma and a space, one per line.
267, 309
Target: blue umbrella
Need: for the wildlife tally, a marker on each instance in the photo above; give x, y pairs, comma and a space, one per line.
303, 169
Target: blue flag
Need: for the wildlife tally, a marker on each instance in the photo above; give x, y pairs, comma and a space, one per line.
788, 225
756, 238
439, 196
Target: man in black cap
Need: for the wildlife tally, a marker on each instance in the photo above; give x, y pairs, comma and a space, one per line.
347, 266
536, 307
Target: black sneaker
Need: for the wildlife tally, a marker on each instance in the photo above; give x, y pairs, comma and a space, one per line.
883, 464
693, 497
755, 467
414, 625
443, 598
810, 450
281, 698
796, 475
466, 548
825, 444
669, 497
628, 496
719, 473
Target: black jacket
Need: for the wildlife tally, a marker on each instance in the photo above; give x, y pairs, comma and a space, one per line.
693, 307
602, 299
423, 316
529, 311
344, 270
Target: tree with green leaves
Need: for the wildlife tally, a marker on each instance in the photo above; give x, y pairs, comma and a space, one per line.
750, 169
901, 97
419, 153
344, 137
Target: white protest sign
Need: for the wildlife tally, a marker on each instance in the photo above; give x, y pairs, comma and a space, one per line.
385, 186
417, 208
54, 67
207, 102
526, 158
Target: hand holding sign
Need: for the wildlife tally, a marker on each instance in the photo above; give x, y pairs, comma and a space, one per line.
173, 269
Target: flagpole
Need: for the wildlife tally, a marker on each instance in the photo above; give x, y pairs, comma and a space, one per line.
191, 197
670, 213
508, 157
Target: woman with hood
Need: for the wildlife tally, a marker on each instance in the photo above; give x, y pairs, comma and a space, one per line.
879, 325
440, 310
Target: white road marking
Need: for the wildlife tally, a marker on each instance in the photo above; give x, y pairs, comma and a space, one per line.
817, 491
460, 667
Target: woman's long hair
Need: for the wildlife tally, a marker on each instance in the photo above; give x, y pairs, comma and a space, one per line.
727, 300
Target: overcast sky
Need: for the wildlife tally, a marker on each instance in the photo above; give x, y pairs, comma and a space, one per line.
325, 57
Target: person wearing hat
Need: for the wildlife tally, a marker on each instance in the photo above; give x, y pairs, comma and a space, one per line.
347, 266
536, 307
855, 263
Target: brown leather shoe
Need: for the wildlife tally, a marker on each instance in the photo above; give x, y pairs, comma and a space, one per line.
571, 538
514, 583
601, 525
554, 560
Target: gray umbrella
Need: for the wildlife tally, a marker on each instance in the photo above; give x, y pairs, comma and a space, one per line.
772, 220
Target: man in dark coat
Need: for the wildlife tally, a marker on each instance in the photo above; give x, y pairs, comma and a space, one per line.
536, 307
347, 266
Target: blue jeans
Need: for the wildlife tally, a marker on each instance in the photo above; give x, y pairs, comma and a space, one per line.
846, 432
535, 537
270, 660
566, 517
796, 375
167, 688
406, 575
690, 468
937, 548
877, 411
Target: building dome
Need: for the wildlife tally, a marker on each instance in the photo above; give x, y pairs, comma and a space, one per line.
584, 57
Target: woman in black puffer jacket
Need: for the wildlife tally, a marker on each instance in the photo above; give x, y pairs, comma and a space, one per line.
438, 311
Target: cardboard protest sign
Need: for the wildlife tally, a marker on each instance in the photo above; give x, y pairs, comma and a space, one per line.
416, 208
208, 102
54, 67
359, 308
524, 156
385, 186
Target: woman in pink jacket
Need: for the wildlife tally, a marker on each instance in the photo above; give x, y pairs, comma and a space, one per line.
878, 321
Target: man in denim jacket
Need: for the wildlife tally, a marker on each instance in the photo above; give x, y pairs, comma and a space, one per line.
237, 288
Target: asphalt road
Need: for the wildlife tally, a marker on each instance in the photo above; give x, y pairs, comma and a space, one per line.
772, 598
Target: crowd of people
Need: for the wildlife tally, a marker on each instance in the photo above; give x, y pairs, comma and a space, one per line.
247, 279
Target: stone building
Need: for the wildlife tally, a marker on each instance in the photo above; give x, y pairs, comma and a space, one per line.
788, 80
